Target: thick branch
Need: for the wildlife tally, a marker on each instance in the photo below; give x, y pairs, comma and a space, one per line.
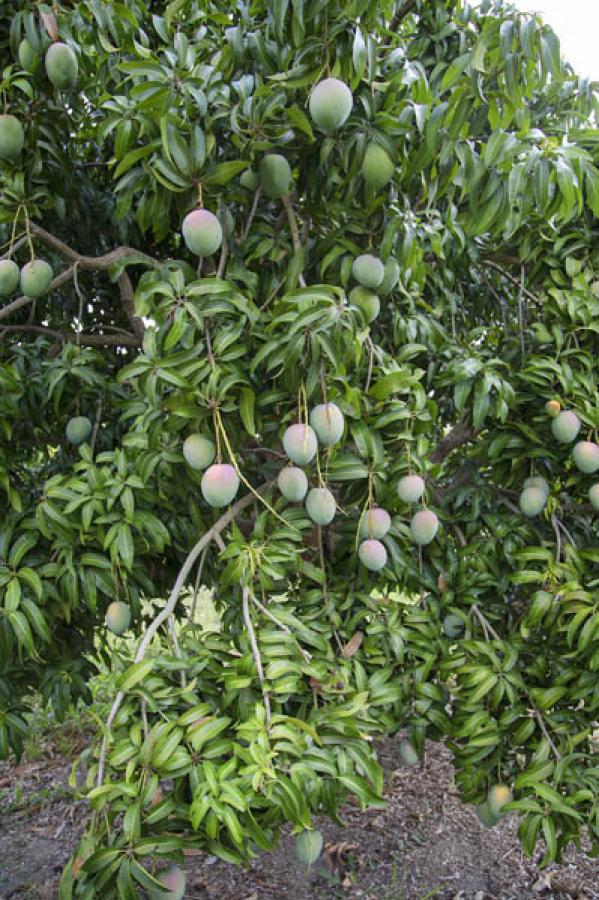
460, 434
128, 301
401, 13
121, 339
186, 568
93, 263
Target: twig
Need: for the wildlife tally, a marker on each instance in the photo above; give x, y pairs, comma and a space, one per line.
546, 734
558, 538
487, 627
12, 250
144, 716
370, 346
192, 614
153, 627
263, 609
255, 650
94, 436
208, 343
566, 533
173, 633
510, 277
252, 213
295, 238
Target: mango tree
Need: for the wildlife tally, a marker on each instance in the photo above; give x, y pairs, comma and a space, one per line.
299, 307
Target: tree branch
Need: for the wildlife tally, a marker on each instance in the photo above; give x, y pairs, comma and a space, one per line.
460, 434
249, 627
93, 263
128, 301
163, 615
121, 339
401, 13
489, 262
65, 276
295, 237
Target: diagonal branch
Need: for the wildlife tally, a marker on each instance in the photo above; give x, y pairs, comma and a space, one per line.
401, 13
169, 607
249, 627
460, 434
10, 308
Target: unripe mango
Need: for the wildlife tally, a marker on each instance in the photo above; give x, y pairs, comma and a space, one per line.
537, 481
368, 270
375, 523
28, 58
308, 846
78, 430
35, 278
594, 496
219, 485
532, 501
61, 66
12, 137
328, 423
390, 278
498, 796
202, 232
174, 885
586, 457
373, 555
199, 451
367, 301
118, 617
378, 167
275, 175
410, 488
293, 483
565, 427
321, 506
407, 752
330, 104
300, 444
553, 408
485, 815
249, 180
9, 277
424, 526
453, 626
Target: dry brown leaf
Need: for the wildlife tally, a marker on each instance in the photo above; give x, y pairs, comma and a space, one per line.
353, 645
49, 20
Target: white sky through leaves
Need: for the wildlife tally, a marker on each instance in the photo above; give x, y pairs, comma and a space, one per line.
576, 22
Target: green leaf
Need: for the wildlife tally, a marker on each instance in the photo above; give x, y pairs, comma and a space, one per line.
134, 674
247, 403
225, 172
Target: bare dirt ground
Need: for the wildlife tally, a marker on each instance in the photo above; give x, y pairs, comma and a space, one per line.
427, 844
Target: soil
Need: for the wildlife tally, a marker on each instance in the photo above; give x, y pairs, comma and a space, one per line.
427, 844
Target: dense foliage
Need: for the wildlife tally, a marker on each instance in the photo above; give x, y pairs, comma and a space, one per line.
490, 208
